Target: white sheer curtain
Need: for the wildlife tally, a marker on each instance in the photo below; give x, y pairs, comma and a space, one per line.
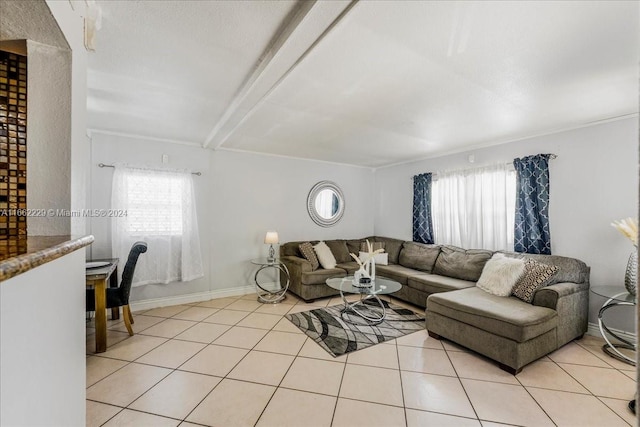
161, 211
475, 208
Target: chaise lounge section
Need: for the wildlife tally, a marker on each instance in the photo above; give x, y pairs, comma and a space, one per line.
443, 279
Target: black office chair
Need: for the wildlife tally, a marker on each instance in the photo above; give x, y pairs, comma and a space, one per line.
119, 297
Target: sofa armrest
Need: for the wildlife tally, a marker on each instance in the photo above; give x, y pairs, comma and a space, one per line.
297, 262
296, 266
571, 302
549, 295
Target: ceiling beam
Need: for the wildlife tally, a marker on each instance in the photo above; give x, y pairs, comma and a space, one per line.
308, 25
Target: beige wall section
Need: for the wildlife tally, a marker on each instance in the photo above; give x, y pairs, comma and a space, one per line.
30, 20
48, 138
71, 23
50, 146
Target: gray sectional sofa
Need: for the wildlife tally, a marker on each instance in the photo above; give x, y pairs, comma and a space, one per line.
442, 279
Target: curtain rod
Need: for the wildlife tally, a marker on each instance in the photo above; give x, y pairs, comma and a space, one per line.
102, 165
551, 156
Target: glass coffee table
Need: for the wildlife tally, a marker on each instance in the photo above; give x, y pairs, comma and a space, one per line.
379, 286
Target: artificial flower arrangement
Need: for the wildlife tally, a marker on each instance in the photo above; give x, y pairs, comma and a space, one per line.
629, 228
367, 266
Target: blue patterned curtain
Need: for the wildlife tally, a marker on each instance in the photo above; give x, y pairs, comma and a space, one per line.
531, 234
422, 226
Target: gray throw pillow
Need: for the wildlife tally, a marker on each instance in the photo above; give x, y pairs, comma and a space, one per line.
339, 250
306, 249
418, 256
461, 264
374, 246
536, 275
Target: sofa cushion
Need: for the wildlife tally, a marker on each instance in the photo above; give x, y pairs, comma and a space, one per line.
391, 246
291, 249
536, 275
349, 267
433, 283
461, 264
500, 275
380, 258
306, 249
320, 276
418, 256
339, 250
395, 272
353, 245
325, 256
569, 269
507, 317
364, 247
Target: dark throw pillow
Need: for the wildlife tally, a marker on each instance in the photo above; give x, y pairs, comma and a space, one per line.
306, 249
536, 275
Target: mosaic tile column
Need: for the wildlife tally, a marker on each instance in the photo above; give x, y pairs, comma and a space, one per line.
13, 146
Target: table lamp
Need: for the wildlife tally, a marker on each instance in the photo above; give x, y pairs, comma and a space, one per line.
271, 238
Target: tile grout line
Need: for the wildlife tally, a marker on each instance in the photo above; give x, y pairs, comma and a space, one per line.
460, 382
404, 403
586, 388
131, 362
534, 399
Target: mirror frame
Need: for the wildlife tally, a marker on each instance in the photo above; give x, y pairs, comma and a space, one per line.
311, 203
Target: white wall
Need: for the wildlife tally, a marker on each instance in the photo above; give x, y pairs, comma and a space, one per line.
239, 197
48, 137
112, 149
42, 337
253, 193
594, 181
72, 25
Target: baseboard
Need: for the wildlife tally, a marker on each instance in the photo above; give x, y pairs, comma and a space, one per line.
190, 298
594, 330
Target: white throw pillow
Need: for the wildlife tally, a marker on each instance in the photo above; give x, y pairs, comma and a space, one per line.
500, 275
325, 257
382, 259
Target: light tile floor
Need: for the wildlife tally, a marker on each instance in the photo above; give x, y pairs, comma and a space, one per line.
236, 362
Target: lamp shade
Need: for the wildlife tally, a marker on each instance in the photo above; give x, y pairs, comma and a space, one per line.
271, 237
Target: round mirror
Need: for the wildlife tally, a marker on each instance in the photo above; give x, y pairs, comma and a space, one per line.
325, 203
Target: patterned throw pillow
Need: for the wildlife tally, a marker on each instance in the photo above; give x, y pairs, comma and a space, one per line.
374, 246
306, 249
536, 275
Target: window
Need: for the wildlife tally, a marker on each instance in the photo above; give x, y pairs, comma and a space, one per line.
475, 208
160, 210
154, 205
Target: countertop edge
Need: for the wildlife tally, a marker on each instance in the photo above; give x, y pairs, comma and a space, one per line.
11, 267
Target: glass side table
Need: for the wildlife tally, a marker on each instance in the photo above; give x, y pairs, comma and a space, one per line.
617, 296
270, 296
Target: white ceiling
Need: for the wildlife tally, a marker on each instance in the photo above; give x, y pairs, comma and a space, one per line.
367, 83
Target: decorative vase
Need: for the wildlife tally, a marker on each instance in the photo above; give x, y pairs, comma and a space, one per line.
371, 268
359, 274
631, 274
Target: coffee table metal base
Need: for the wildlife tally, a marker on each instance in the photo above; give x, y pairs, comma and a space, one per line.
353, 307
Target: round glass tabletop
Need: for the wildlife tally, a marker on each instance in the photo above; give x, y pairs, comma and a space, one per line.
380, 286
618, 293
265, 261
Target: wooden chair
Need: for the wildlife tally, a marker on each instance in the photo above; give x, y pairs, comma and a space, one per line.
119, 297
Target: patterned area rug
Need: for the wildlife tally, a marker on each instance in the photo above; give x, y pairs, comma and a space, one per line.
337, 336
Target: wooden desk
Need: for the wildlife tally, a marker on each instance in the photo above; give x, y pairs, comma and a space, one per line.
98, 277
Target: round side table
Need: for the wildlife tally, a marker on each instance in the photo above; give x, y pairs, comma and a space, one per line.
616, 296
269, 296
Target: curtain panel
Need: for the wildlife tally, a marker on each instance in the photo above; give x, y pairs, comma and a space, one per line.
422, 223
161, 211
474, 208
531, 227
